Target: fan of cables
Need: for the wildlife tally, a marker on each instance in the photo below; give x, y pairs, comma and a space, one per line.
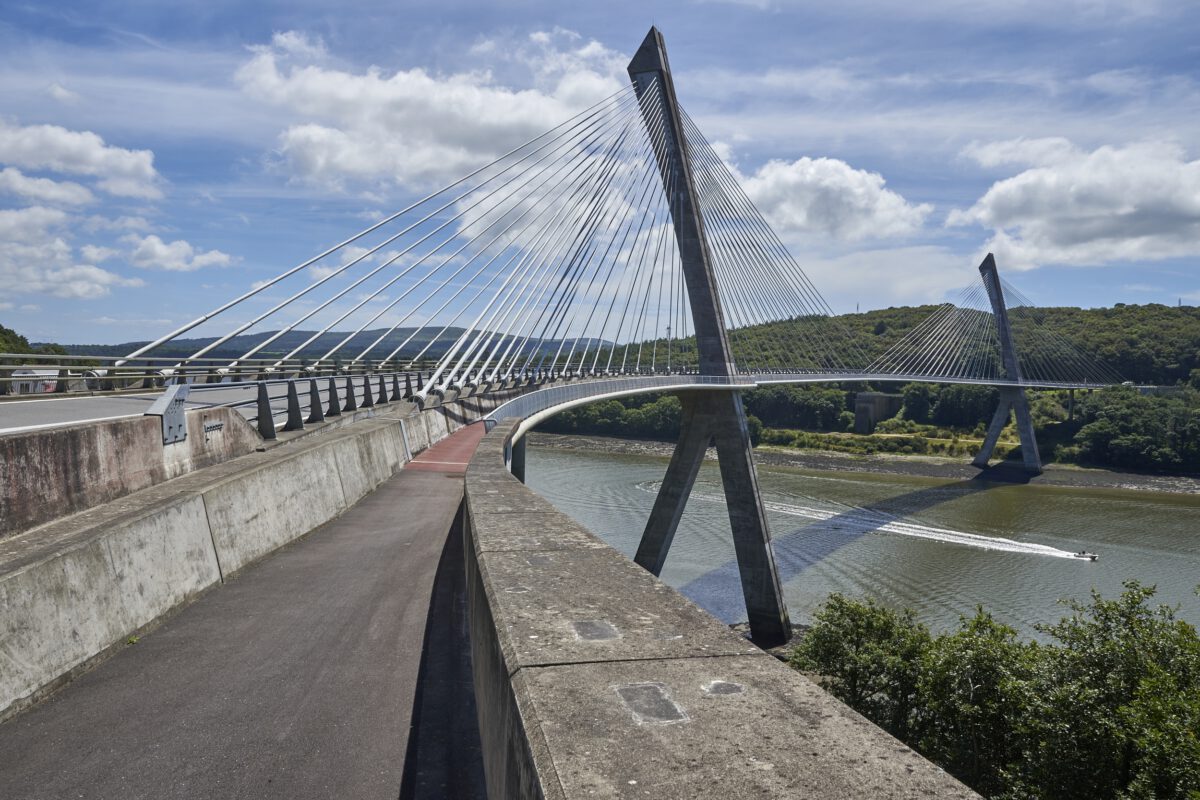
558, 258
960, 341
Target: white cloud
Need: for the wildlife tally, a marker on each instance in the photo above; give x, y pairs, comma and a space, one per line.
62, 94
43, 190
413, 127
828, 197
151, 252
1139, 202
95, 254
121, 172
34, 257
882, 277
297, 44
1020, 152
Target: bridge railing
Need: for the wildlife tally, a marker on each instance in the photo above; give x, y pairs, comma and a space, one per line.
43, 373
529, 405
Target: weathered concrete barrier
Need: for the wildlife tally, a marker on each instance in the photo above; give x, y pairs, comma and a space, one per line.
49, 474
73, 589
595, 679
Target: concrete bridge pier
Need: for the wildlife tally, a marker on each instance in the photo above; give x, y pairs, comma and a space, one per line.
1012, 398
708, 415
516, 459
718, 418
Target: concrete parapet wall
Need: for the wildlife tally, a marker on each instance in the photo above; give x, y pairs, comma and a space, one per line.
48, 474
73, 589
595, 679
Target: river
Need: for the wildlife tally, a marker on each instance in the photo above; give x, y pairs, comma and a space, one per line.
939, 546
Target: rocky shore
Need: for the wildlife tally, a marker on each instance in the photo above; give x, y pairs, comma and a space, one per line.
921, 466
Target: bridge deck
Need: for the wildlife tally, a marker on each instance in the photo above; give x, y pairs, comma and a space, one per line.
295, 680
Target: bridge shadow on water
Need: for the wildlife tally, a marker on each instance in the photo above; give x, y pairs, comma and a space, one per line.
719, 591
445, 757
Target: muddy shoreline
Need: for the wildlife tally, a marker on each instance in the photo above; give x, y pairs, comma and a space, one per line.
921, 466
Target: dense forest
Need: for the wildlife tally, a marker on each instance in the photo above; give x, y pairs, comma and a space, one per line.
1107, 709
1117, 427
1146, 344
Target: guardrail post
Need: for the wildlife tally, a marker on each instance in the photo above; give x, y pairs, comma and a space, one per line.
368, 398
396, 388
314, 403
266, 420
335, 405
407, 385
383, 398
350, 404
294, 421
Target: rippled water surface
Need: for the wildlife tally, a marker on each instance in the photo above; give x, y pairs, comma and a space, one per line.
938, 546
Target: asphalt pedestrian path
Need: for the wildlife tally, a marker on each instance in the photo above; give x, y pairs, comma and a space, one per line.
337, 667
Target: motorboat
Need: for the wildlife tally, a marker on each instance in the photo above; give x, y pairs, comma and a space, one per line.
1085, 554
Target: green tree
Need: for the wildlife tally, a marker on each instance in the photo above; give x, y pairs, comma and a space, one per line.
973, 689
870, 656
918, 401
1109, 709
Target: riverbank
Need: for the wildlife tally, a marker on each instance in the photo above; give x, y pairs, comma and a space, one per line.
920, 466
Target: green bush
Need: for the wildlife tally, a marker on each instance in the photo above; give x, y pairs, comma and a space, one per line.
1110, 708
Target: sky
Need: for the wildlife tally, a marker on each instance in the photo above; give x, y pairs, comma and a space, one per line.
157, 159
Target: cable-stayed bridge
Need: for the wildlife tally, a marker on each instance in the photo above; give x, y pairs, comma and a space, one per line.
614, 255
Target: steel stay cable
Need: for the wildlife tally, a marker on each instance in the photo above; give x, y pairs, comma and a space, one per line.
754, 297
621, 134
627, 225
786, 260
445, 282
545, 266
574, 270
712, 171
584, 269
491, 193
564, 290
655, 137
446, 359
723, 209
542, 165
580, 129
205, 317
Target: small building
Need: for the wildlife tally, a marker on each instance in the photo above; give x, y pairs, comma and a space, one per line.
34, 381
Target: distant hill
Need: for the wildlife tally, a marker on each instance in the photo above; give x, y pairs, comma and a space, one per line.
237, 346
1153, 344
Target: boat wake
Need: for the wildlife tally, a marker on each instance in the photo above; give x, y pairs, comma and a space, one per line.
858, 521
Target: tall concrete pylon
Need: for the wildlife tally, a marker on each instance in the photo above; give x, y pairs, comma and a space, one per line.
708, 415
1012, 398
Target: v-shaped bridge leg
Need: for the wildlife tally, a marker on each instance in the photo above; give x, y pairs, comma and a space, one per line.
694, 435
1012, 400
1029, 448
765, 608
708, 416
